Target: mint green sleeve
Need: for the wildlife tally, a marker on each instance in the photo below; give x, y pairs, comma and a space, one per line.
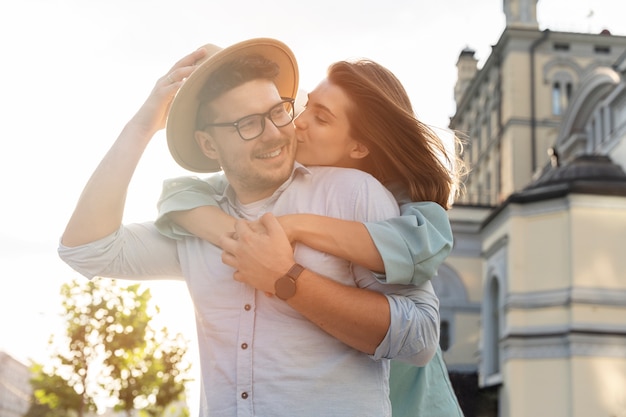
186, 193
414, 245
422, 391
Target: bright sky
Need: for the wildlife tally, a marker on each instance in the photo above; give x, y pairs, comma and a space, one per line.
75, 71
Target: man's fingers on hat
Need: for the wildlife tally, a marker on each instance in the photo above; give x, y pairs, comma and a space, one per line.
185, 71
179, 74
199, 54
190, 59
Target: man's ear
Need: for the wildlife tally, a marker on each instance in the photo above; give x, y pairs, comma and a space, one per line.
359, 150
206, 143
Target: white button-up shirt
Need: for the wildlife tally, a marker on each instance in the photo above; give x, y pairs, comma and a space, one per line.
260, 357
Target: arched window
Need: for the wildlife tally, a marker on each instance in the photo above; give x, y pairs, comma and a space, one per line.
444, 335
490, 359
492, 339
594, 121
562, 88
453, 300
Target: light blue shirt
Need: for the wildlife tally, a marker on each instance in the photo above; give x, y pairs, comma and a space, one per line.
259, 357
412, 246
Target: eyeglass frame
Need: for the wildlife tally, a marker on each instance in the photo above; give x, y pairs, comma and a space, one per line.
266, 115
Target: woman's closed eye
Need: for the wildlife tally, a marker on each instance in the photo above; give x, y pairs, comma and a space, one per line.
319, 119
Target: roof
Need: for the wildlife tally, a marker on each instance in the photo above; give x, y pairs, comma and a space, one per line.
587, 174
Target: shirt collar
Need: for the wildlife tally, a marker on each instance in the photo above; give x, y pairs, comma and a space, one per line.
229, 196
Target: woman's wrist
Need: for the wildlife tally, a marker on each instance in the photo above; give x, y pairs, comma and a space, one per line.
291, 224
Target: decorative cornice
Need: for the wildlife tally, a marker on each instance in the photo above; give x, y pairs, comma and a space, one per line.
565, 345
496, 246
566, 297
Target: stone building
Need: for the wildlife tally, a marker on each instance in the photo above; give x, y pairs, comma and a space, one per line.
15, 387
534, 291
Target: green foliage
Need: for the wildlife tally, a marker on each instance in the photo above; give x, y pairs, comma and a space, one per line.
53, 397
109, 350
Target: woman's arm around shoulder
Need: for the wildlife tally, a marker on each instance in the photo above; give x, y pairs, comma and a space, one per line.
188, 207
415, 244
408, 249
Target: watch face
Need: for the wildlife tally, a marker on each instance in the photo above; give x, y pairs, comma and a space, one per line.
285, 287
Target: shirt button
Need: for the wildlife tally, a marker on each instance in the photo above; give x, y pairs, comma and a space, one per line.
244, 346
247, 307
244, 395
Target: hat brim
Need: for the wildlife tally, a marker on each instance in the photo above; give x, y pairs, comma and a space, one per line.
181, 120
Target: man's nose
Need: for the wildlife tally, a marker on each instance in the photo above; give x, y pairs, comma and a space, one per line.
300, 121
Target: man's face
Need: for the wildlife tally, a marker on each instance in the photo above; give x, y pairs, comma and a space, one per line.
255, 168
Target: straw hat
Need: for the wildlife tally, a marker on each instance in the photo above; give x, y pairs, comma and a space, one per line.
181, 121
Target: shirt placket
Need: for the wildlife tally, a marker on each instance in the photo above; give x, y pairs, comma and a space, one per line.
245, 345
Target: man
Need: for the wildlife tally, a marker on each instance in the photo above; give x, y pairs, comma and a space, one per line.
316, 346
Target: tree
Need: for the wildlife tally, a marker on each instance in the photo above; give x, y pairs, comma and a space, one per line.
53, 396
109, 350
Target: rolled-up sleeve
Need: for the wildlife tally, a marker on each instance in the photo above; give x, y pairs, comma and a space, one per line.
414, 245
135, 251
186, 193
413, 335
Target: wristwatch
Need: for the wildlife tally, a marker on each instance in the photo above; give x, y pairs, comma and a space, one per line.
285, 286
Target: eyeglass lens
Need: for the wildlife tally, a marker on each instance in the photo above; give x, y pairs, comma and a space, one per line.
253, 126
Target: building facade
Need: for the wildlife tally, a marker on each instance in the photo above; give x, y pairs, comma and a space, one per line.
541, 230
15, 389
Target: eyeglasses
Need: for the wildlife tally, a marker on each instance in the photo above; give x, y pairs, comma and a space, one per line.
252, 126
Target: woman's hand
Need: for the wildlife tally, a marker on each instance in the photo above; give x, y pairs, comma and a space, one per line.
259, 251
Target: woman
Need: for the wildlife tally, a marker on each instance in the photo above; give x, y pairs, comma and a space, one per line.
359, 117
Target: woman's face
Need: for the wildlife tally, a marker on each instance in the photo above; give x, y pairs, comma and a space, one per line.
323, 130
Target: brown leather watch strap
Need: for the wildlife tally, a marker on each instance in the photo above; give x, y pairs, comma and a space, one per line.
285, 286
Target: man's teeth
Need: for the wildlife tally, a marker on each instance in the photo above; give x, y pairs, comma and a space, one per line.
271, 154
